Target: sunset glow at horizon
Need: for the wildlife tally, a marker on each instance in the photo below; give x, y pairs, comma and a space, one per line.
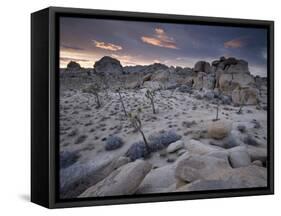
87, 40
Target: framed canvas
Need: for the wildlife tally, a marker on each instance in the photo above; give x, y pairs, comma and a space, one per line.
139, 107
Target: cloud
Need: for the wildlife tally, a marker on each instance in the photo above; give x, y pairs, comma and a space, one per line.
66, 59
107, 46
235, 43
71, 47
160, 39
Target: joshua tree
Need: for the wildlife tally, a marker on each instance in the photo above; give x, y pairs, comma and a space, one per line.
244, 98
121, 100
150, 95
217, 113
136, 123
94, 89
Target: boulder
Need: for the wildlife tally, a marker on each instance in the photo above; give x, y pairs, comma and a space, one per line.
123, 181
153, 85
173, 147
257, 153
241, 66
198, 81
222, 154
108, 66
158, 180
239, 158
227, 82
197, 167
245, 96
72, 65
219, 129
202, 66
243, 177
196, 147
78, 177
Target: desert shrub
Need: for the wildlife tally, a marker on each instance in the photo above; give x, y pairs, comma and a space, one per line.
113, 142
67, 158
162, 139
251, 141
185, 89
226, 100
209, 95
241, 128
137, 150
81, 139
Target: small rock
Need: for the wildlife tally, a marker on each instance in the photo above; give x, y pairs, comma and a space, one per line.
175, 146
257, 163
181, 152
219, 129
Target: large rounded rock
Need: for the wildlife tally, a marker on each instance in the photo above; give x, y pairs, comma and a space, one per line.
243, 177
239, 157
245, 96
108, 66
123, 181
72, 65
158, 180
78, 177
196, 167
197, 147
219, 129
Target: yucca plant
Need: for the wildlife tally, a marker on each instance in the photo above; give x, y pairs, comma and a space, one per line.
118, 90
217, 110
150, 94
94, 89
137, 125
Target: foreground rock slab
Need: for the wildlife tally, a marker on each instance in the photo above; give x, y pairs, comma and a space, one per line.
123, 181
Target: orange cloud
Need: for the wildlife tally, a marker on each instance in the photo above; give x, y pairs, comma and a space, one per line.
107, 46
235, 43
160, 39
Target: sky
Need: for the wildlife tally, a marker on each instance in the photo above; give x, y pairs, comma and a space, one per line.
86, 40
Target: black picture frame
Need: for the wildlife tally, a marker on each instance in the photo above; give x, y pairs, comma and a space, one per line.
45, 115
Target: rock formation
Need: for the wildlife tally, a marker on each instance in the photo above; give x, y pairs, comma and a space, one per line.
72, 65
108, 66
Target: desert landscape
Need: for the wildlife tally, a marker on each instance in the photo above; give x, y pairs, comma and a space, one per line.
145, 129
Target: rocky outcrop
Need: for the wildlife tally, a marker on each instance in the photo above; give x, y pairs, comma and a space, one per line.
231, 65
228, 82
72, 65
123, 181
245, 96
108, 66
202, 66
